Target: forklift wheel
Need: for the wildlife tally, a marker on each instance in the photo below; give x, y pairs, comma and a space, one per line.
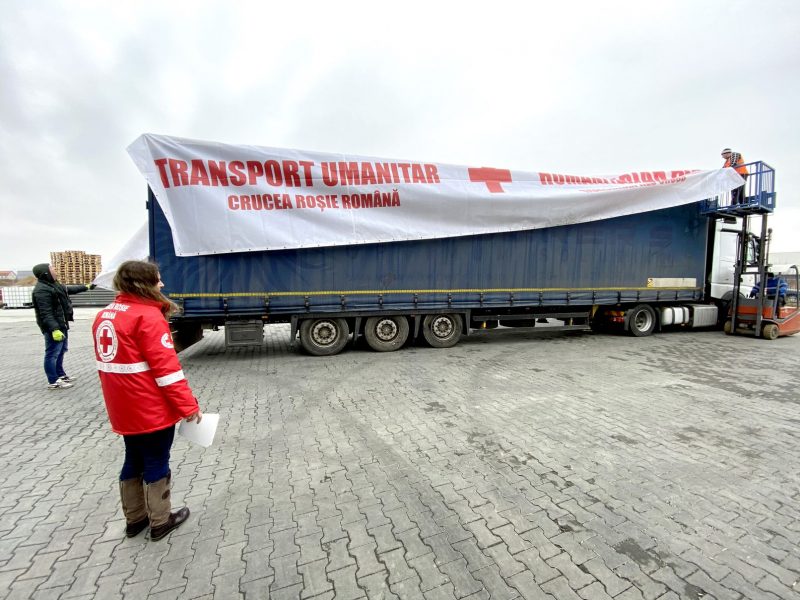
728, 327
770, 331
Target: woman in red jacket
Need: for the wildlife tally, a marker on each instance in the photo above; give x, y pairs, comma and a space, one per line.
145, 392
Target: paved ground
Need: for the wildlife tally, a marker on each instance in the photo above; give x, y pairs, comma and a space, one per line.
517, 464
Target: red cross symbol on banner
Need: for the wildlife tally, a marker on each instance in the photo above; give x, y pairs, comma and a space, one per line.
491, 177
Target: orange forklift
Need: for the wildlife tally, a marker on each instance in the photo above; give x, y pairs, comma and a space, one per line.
771, 309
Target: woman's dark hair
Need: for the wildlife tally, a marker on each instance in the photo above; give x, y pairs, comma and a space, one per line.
140, 278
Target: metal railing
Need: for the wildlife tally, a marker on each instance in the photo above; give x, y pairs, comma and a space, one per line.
757, 194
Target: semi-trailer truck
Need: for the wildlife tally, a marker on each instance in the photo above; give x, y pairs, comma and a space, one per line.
635, 252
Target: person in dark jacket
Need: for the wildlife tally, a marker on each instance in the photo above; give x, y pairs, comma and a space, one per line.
53, 313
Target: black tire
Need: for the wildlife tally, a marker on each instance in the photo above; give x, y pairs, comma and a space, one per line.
723, 308
386, 334
641, 320
323, 336
770, 331
442, 330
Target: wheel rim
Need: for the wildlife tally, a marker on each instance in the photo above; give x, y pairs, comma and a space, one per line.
324, 333
386, 330
442, 327
643, 320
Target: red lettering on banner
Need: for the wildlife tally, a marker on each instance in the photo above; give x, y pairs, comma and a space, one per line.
261, 202
307, 164
330, 176
432, 173
272, 171
216, 169
491, 177
175, 172
162, 171
179, 171
290, 173
383, 172
349, 173
199, 175
367, 174
237, 172
254, 170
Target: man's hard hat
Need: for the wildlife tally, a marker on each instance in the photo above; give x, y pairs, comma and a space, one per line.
726, 151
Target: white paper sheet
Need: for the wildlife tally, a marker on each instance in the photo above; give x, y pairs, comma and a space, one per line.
202, 433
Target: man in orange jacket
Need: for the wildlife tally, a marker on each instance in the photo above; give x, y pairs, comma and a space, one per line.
735, 160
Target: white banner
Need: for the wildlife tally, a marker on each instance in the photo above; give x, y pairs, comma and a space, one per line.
221, 198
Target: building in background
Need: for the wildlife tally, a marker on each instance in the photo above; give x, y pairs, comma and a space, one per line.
75, 266
7, 277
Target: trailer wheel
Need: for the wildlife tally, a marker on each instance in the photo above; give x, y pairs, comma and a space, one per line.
641, 320
442, 331
386, 334
770, 331
323, 337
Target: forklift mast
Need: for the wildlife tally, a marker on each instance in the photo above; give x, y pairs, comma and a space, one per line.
755, 199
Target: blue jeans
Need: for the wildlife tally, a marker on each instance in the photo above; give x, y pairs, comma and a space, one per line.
147, 455
54, 357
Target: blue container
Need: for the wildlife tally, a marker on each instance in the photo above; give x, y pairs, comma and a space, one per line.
609, 262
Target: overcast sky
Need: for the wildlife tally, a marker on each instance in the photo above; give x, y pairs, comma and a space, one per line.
579, 87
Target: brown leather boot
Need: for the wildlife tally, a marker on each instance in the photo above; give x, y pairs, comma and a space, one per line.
131, 492
157, 501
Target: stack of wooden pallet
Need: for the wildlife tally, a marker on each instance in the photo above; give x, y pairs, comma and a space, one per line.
75, 266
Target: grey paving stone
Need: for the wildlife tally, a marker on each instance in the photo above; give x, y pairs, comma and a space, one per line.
315, 580
367, 560
577, 577
430, 576
536, 566
396, 565
484, 537
443, 592
527, 586
560, 588
338, 556
490, 577
412, 544
459, 575
427, 471
376, 585
345, 585
612, 584
407, 589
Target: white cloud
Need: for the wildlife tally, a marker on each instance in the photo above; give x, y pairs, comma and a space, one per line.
577, 86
